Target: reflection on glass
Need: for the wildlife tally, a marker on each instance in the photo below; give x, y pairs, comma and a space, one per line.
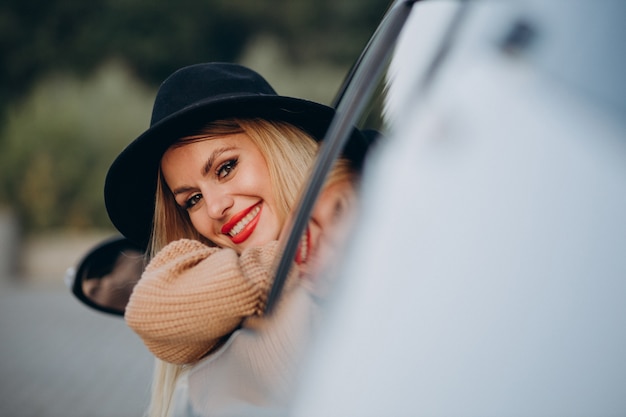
110, 279
107, 274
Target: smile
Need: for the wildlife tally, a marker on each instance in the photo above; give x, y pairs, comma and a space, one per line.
241, 226
244, 222
302, 254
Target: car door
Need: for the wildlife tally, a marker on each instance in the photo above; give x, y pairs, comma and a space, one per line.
487, 272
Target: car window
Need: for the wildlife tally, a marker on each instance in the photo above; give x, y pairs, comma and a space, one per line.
353, 98
365, 101
420, 46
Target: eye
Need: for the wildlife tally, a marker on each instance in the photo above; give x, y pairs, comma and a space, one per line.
226, 168
191, 202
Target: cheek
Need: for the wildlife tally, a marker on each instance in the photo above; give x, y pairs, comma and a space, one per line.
257, 184
202, 224
324, 211
333, 209
255, 180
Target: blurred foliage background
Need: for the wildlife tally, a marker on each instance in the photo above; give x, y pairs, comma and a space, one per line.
78, 80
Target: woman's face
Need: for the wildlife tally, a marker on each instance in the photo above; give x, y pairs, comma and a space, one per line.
224, 184
329, 225
113, 289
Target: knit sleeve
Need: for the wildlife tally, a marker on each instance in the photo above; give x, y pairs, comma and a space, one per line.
191, 296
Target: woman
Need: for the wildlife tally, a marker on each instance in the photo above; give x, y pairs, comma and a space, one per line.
208, 188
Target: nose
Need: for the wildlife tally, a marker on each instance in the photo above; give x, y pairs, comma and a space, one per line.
217, 204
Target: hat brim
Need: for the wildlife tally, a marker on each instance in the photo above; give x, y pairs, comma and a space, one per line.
130, 185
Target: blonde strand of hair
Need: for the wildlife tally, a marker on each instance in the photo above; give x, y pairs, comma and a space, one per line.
164, 382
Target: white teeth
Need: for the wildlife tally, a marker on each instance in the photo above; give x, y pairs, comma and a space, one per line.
244, 222
304, 248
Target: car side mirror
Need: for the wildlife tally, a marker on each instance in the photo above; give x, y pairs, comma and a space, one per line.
105, 277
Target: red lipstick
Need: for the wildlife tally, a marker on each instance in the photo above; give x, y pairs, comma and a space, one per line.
302, 254
241, 225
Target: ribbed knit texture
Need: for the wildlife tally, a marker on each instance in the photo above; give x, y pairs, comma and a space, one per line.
258, 366
191, 296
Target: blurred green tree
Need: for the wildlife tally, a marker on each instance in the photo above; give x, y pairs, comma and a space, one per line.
59, 143
65, 111
155, 37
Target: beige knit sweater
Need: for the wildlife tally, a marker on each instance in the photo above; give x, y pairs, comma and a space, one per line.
192, 296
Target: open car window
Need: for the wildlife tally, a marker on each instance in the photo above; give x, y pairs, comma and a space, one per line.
353, 97
372, 100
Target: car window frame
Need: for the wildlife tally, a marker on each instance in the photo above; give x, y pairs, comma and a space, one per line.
349, 103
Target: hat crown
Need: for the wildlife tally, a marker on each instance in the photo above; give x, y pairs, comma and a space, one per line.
202, 83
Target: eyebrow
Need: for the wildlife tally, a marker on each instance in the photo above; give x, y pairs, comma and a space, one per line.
206, 168
211, 160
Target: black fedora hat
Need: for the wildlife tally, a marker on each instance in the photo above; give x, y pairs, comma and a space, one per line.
186, 101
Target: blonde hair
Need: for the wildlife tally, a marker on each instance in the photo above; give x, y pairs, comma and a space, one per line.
289, 153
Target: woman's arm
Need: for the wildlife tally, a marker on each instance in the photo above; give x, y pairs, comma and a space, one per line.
191, 296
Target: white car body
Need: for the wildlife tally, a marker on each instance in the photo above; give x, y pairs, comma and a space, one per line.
487, 273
